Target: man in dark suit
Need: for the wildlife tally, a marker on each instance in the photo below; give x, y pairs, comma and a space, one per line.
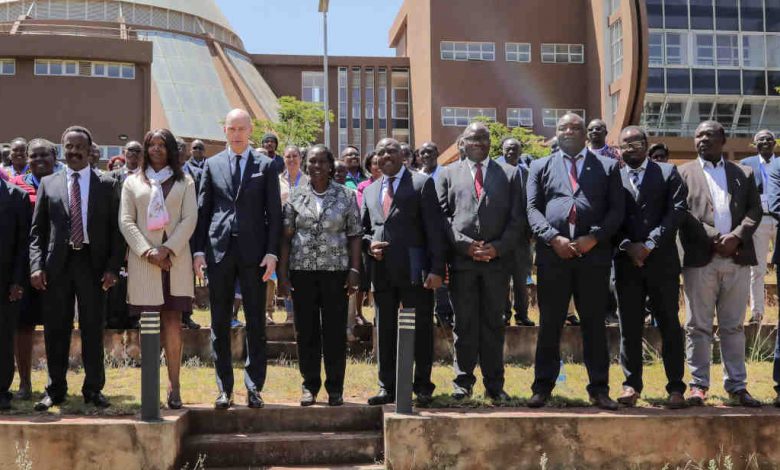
14, 231
270, 144
198, 154
403, 232
484, 208
647, 266
190, 167
575, 207
239, 225
765, 143
76, 251
724, 209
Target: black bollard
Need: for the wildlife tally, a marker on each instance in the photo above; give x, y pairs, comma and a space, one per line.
150, 366
405, 362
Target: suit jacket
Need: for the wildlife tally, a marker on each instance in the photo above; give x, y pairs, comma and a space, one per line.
600, 203
15, 212
50, 231
413, 228
698, 231
497, 217
654, 214
255, 204
195, 173
754, 162
773, 201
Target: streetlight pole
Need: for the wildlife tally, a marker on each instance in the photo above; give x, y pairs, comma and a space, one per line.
324, 10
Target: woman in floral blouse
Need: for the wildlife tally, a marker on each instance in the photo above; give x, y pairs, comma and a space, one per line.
320, 265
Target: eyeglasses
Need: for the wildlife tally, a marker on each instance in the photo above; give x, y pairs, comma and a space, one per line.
640, 145
198, 148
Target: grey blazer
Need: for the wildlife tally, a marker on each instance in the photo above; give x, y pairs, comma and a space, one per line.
498, 217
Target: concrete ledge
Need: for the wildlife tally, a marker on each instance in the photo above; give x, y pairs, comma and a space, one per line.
106, 443
580, 438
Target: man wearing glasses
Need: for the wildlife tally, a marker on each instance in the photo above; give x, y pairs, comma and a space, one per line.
647, 266
198, 154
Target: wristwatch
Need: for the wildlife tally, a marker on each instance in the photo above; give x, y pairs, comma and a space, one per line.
650, 245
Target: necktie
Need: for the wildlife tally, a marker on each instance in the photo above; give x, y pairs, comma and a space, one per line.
575, 185
478, 180
635, 178
236, 174
387, 200
76, 223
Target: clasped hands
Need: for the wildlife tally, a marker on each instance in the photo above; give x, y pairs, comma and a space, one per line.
568, 249
482, 252
726, 245
160, 257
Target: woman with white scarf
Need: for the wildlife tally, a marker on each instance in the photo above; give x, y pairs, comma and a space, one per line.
157, 216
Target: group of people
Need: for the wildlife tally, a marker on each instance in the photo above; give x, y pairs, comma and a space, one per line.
607, 224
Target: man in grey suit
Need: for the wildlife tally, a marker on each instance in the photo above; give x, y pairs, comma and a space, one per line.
575, 207
724, 209
484, 206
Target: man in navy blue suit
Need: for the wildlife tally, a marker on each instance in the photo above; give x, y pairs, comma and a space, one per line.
575, 208
239, 225
647, 266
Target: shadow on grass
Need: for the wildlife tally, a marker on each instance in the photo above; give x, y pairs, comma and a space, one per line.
121, 405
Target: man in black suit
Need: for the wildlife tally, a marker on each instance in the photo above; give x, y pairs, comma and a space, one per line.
76, 251
484, 208
196, 172
14, 231
403, 232
575, 207
270, 143
647, 266
239, 225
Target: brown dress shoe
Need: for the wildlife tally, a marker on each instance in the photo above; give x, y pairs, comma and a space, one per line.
676, 401
628, 397
743, 398
602, 400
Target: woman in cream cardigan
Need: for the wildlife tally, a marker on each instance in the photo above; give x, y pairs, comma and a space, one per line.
157, 216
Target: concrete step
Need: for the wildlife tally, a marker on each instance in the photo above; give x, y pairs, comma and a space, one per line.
285, 448
306, 467
281, 418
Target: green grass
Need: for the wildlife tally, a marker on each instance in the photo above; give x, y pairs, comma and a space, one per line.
123, 386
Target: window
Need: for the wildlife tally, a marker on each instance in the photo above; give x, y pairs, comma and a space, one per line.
613, 6
651, 114
113, 70
704, 50
550, 116
655, 13
729, 82
616, 43
368, 110
676, 14
356, 106
563, 53
678, 81
520, 117
753, 51
451, 50
7, 67
773, 51
518, 52
656, 48
704, 81
676, 48
726, 15
462, 117
727, 48
56, 67
752, 15
382, 102
400, 96
772, 11
313, 87
753, 82
342, 82
656, 81
702, 14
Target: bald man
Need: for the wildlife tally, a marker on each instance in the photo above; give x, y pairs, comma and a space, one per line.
237, 239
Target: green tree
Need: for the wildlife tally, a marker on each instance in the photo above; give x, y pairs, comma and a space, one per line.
299, 123
532, 144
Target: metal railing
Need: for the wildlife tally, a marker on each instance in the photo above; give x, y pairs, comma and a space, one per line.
54, 29
687, 129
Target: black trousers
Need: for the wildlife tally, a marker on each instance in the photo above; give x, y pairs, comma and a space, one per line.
589, 285
117, 312
388, 300
661, 288
9, 318
77, 282
479, 298
321, 304
222, 282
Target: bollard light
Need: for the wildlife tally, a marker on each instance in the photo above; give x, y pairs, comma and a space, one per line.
150, 366
404, 361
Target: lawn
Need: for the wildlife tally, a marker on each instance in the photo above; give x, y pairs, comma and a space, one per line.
283, 386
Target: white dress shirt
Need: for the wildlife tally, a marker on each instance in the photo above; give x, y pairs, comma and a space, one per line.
386, 181
435, 174
579, 160
719, 192
473, 169
84, 178
242, 163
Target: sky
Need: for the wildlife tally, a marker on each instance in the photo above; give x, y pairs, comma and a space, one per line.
355, 27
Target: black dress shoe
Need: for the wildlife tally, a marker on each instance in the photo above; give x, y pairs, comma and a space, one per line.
307, 398
46, 403
461, 394
572, 320
174, 401
335, 399
223, 401
97, 399
5, 402
424, 399
603, 401
189, 324
538, 400
254, 400
524, 321
382, 398
24, 394
499, 397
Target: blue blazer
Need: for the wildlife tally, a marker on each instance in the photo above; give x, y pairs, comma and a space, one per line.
773, 201
754, 162
599, 199
256, 204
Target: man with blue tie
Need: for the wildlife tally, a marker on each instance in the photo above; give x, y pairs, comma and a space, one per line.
647, 266
575, 208
764, 141
237, 238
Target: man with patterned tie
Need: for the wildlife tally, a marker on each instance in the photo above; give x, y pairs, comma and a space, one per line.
484, 208
76, 250
575, 207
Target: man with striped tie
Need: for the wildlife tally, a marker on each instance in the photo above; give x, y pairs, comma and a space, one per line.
76, 251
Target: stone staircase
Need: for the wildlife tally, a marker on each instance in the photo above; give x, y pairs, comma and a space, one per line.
279, 436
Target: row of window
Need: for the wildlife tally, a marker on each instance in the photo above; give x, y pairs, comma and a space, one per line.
709, 49
722, 15
513, 52
711, 82
515, 117
73, 68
